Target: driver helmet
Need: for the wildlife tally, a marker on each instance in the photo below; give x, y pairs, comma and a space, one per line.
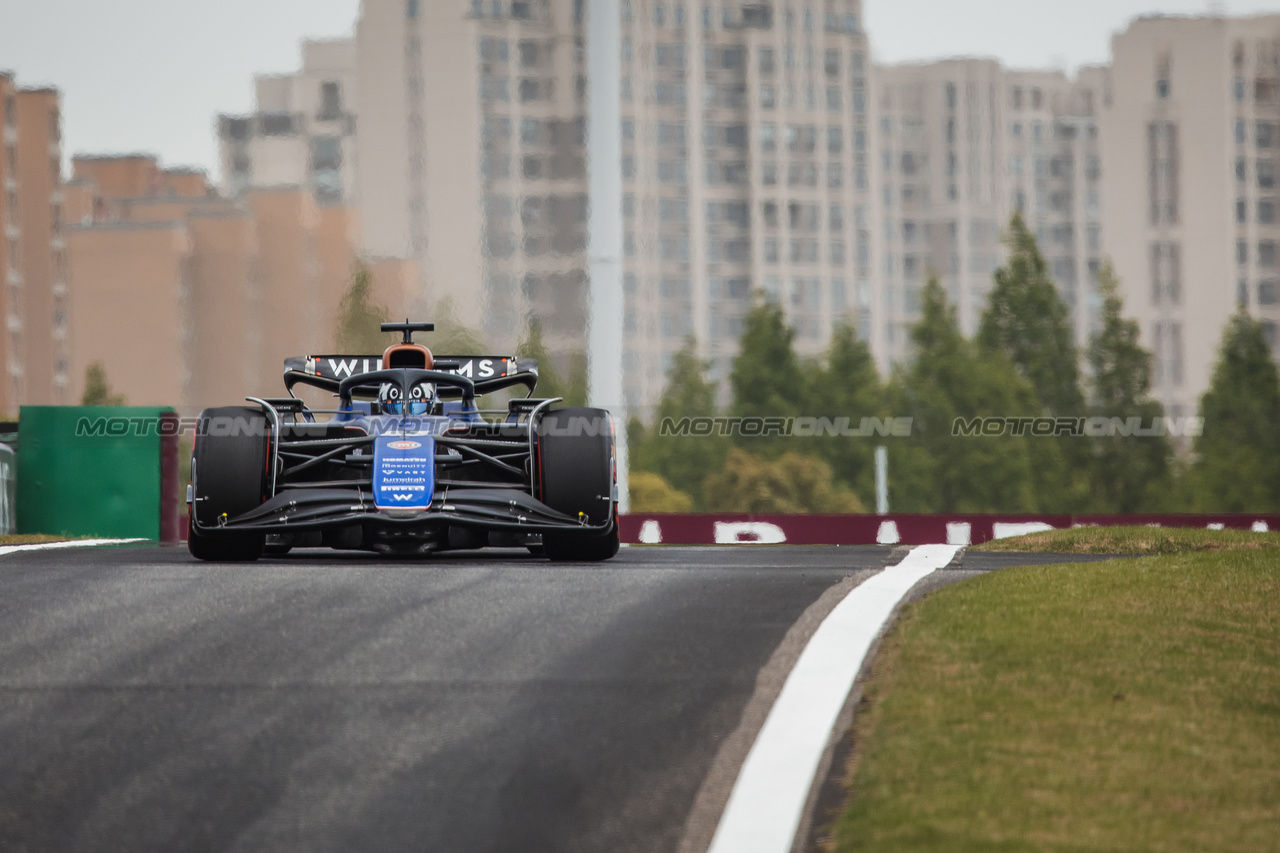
419, 403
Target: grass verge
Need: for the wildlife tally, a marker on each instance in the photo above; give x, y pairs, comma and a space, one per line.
1123, 705
1136, 541
32, 539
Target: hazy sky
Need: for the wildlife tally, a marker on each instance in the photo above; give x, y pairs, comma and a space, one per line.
150, 75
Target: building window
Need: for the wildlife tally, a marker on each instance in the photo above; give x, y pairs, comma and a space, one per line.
1266, 211
1267, 292
411, 9
1241, 210
494, 49
277, 124
765, 57
1163, 172
1264, 134
768, 134
330, 100
1167, 337
326, 153
1166, 274
1266, 174
1267, 253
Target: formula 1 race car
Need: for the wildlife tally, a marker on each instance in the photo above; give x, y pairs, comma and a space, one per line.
406, 464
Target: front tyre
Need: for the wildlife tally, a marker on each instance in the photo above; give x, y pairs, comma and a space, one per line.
576, 465
228, 472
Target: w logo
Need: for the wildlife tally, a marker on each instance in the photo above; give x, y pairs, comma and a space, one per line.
402, 497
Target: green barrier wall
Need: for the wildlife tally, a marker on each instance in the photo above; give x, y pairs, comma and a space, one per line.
90, 471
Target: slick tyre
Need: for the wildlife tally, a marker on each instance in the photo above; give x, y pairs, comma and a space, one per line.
576, 464
228, 472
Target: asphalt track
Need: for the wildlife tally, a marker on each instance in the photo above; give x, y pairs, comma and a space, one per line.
338, 702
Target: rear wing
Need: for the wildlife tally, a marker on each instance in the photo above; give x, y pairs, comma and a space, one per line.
488, 372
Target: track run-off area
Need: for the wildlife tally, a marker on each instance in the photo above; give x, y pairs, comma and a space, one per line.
673, 699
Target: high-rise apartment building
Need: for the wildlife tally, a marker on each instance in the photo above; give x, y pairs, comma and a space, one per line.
961, 145
32, 258
746, 167
302, 130
11, 328
192, 299
1190, 137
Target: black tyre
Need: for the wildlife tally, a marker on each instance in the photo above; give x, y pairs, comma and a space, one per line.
228, 470
576, 472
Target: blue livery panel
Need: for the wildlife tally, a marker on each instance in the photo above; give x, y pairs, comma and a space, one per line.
404, 471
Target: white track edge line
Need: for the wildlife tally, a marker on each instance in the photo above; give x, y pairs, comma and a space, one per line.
72, 543
769, 796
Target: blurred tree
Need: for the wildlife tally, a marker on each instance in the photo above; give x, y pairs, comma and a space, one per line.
767, 379
1237, 457
1129, 473
551, 383
684, 461
650, 493
1027, 321
792, 483
97, 390
848, 385
359, 317
947, 378
451, 336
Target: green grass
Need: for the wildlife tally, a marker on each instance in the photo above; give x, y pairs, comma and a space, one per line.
31, 539
1123, 705
1137, 541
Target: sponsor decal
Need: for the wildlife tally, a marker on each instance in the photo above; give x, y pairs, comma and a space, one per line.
473, 367
403, 472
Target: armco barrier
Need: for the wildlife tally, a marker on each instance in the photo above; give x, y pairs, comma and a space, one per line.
727, 529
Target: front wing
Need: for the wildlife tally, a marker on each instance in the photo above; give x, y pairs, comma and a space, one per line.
303, 510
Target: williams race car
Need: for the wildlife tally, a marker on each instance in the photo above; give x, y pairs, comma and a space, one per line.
408, 463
